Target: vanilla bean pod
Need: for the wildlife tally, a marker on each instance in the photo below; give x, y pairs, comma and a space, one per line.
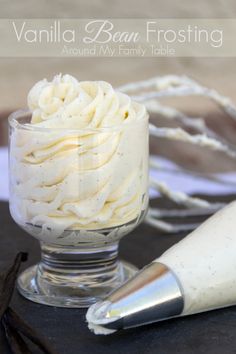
14, 339
8, 283
14, 326
16, 322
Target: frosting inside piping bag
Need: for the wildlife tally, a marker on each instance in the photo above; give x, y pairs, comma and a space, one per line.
205, 263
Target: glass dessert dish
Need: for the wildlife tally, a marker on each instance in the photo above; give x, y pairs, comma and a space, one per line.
78, 191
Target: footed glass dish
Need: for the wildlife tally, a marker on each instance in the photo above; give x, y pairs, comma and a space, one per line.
78, 191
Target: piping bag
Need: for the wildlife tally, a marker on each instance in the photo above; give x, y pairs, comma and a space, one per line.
197, 274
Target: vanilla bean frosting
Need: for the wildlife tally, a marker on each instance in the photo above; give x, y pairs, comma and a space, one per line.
205, 263
81, 161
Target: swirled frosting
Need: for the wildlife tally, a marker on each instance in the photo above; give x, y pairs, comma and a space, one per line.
66, 103
83, 162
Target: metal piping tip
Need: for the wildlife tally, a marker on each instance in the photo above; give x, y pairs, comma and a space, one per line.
152, 295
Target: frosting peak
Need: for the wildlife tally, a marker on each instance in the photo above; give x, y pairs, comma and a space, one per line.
68, 103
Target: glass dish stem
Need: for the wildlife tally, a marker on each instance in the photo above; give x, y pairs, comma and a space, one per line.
86, 273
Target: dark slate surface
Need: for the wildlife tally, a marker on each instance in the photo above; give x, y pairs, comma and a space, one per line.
213, 332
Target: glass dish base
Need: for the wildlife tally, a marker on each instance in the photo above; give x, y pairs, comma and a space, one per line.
70, 288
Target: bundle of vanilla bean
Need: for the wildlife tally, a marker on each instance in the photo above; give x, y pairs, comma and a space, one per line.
17, 332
